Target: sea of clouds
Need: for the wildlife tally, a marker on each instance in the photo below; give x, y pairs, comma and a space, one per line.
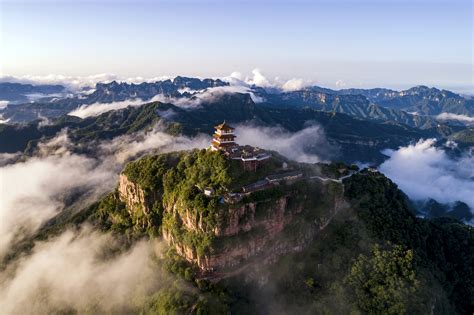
66, 271
308, 145
424, 170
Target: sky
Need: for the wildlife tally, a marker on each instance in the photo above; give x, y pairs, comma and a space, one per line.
394, 43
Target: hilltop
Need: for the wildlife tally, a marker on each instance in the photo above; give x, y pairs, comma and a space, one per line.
315, 237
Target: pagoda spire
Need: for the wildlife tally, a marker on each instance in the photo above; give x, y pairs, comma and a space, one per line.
223, 138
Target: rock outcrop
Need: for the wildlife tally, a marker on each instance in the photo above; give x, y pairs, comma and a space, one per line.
255, 231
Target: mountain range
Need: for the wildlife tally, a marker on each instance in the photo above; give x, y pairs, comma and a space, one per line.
415, 107
326, 232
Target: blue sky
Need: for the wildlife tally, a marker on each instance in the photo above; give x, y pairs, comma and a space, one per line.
361, 43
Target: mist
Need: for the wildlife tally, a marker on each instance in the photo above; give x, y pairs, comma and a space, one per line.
308, 145
125, 147
36, 190
423, 171
96, 109
71, 272
195, 100
450, 116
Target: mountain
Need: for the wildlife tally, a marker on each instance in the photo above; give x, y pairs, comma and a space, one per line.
17, 92
348, 138
420, 99
375, 104
107, 93
178, 87
287, 237
356, 105
335, 240
432, 209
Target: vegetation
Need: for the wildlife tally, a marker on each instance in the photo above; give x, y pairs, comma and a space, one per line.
375, 257
444, 247
386, 282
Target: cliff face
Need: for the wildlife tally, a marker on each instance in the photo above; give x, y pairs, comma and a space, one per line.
256, 232
240, 236
246, 232
138, 201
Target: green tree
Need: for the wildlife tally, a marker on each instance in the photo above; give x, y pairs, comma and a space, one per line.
386, 282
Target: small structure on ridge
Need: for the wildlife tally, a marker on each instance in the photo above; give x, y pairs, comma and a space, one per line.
224, 140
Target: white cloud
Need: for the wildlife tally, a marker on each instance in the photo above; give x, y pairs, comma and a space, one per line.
124, 147
199, 97
33, 191
259, 79
8, 158
76, 82
340, 84
424, 171
209, 95
3, 104
307, 145
3, 121
293, 85
451, 116
71, 272
96, 109
237, 75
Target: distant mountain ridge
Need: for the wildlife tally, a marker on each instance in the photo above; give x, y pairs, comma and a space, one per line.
18, 92
420, 99
352, 104
375, 104
354, 139
108, 93
178, 87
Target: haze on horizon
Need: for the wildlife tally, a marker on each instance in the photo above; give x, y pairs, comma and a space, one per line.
394, 44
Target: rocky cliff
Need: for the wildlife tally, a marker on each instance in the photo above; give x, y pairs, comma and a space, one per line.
220, 236
250, 234
247, 232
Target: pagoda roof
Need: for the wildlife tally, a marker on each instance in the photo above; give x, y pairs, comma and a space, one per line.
224, 125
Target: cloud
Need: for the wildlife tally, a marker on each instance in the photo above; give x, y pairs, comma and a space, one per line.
33, 191
75, 83
3, 104
124, 147
308, 145
3, 121
259, 79
424, 171
214, 93
70, 272
293, 85
32, 97
451, 116
8, 158
96, 109
340, 83
199, 97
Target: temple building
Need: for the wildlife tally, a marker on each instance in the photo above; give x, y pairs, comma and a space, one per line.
224, 140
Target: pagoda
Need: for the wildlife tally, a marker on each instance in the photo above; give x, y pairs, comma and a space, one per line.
223, 138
